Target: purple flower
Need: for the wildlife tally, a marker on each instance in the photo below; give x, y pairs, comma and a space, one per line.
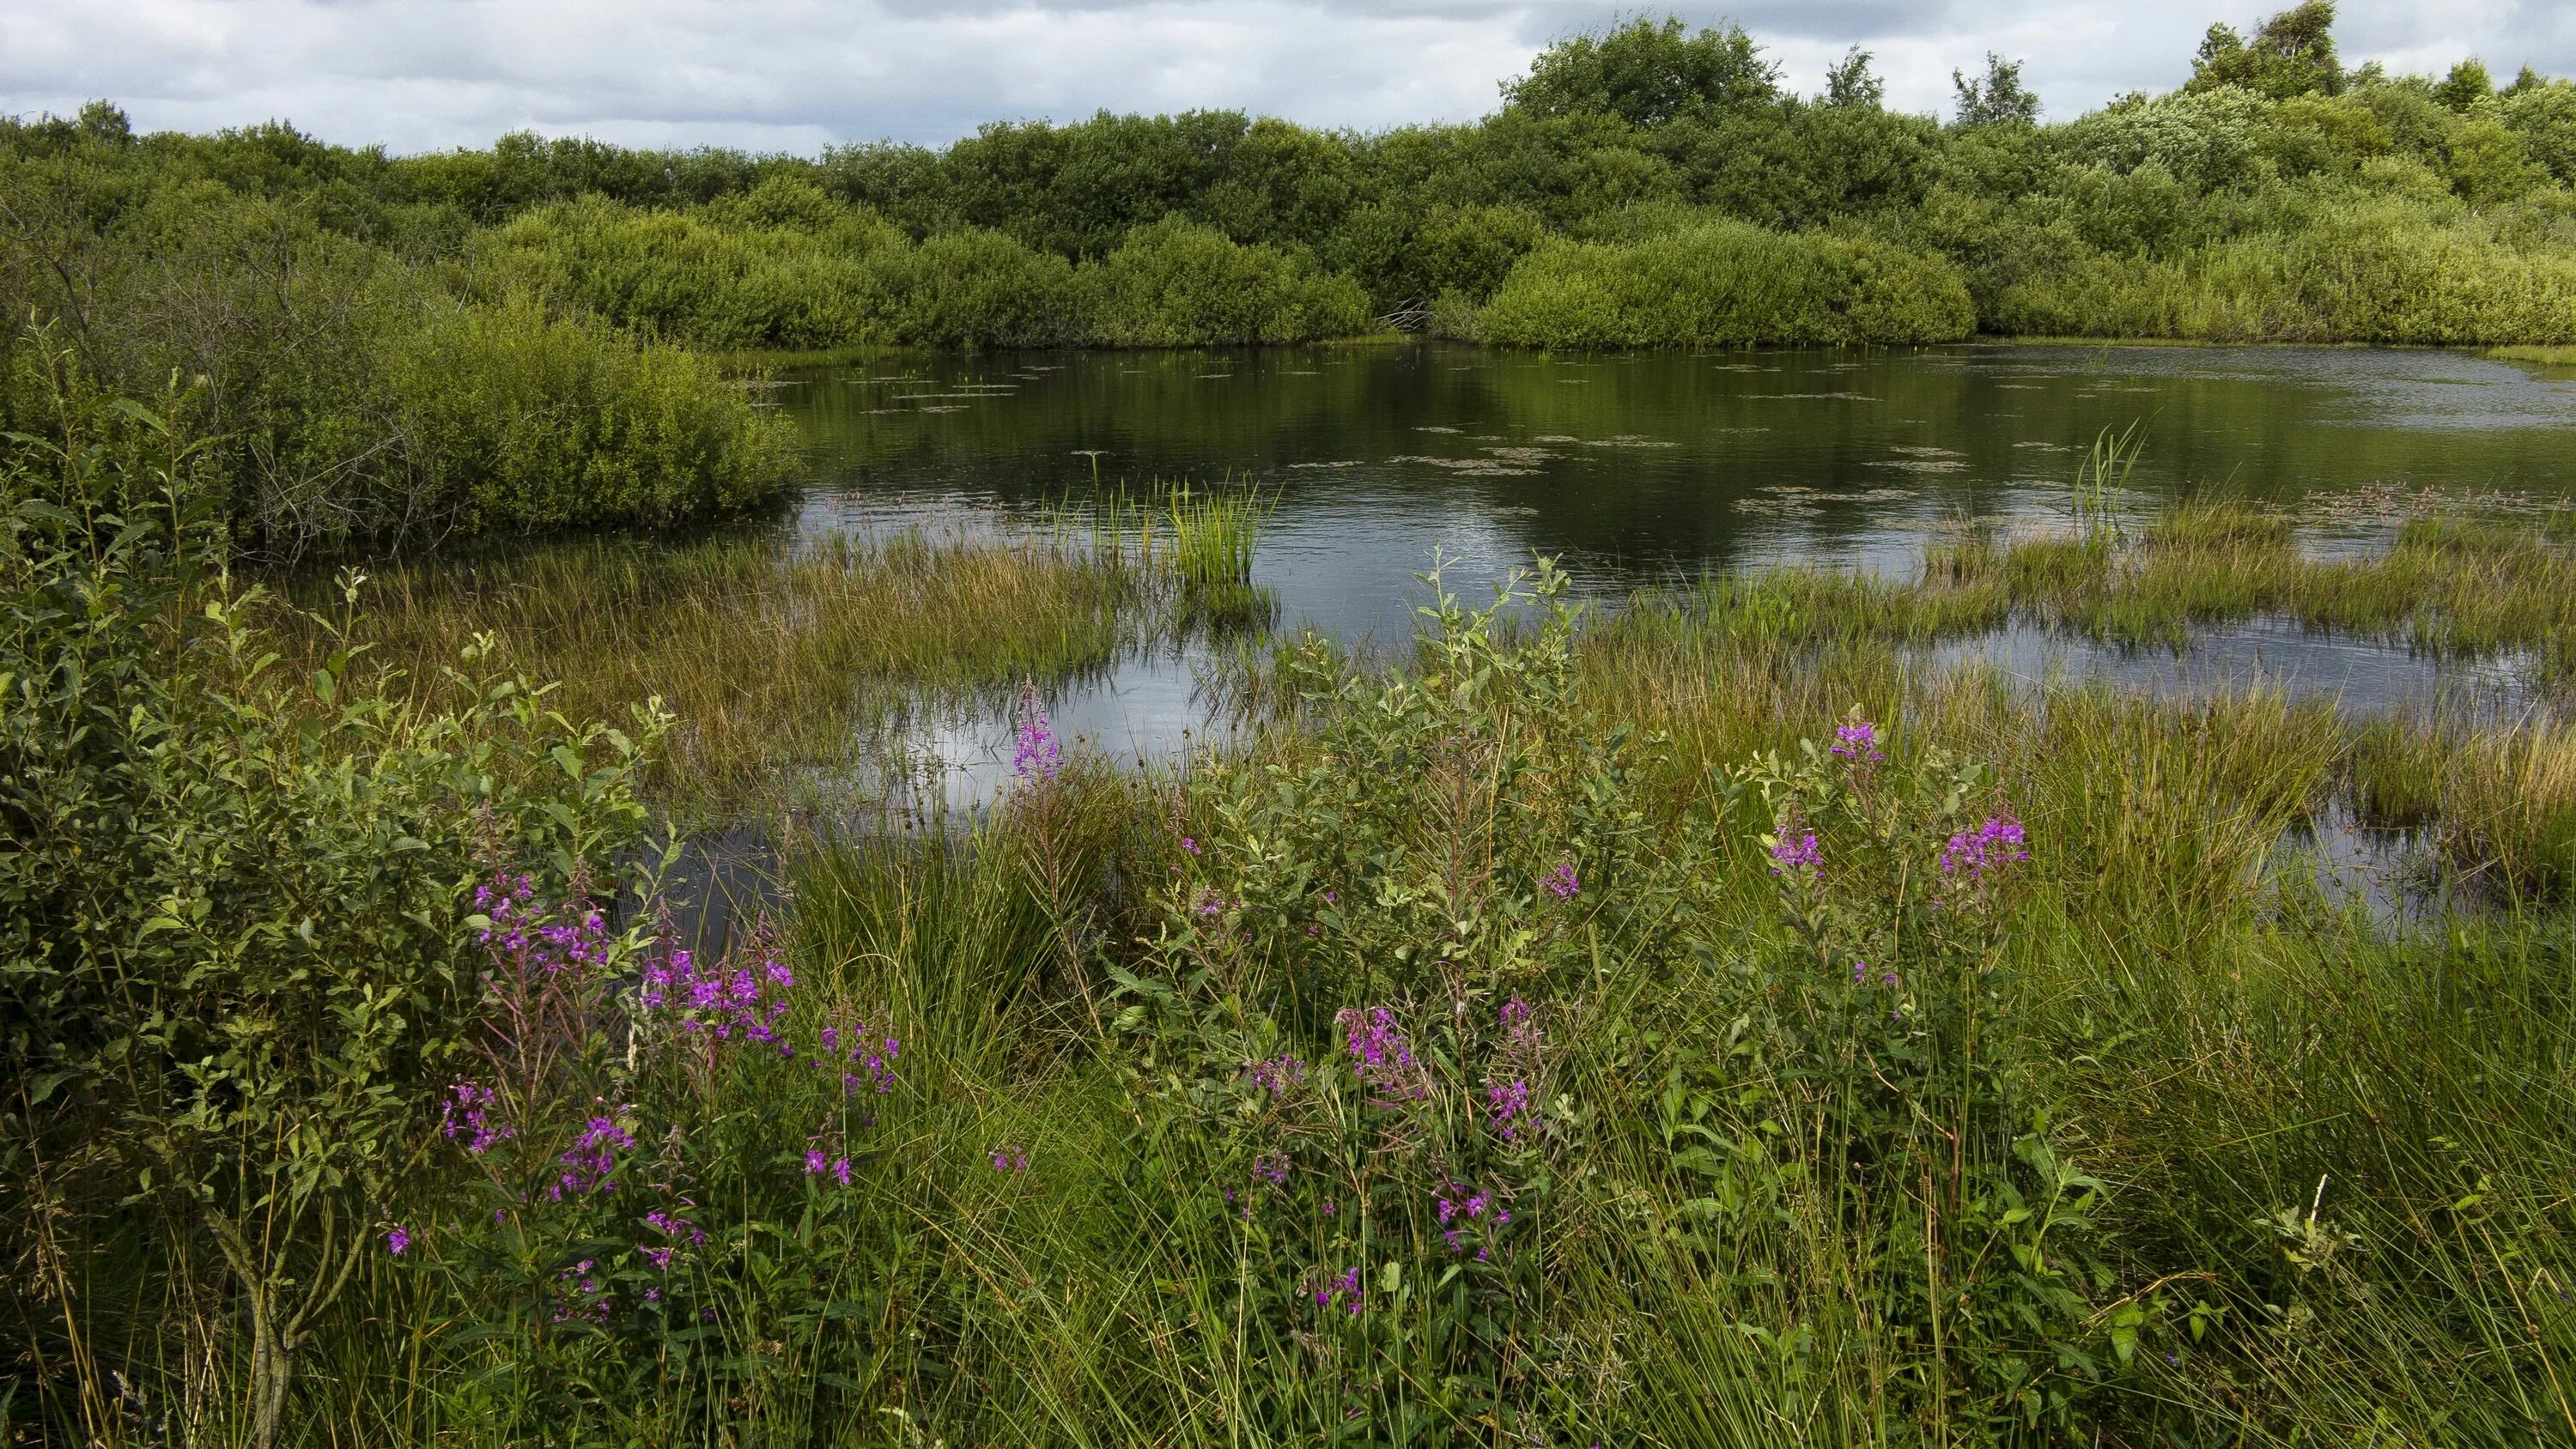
1007, 1158
1507, 1108
1561, 882
468, 1115
1798, 852
1189, 845
1038, 757
1271, 1167
1379, 1052
397, 1239
813, 1161
720, 1004
1991, 846
1278, 1076
590, 1160
1344, 1290
1857, 742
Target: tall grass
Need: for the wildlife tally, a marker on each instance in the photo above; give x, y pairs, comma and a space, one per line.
2327, 1156
774, 658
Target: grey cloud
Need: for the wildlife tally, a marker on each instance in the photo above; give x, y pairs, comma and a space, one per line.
799, 74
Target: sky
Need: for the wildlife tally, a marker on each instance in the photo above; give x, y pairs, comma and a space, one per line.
799, 75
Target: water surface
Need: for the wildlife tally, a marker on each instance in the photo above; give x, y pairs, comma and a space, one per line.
1639, 468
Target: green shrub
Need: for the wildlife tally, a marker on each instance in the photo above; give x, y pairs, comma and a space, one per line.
779, 268
235, 955
513, 419
1179, 284
1727, 284
2378, 272
977, 289
350, 398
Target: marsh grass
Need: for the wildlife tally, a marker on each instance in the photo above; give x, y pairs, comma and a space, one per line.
2333, 1156
772, 657
2547, 356
2452, 587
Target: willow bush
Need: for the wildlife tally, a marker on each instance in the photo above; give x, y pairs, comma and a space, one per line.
1727, 284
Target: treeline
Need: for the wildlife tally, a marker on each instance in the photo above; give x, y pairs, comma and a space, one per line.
1643, 186
352, 392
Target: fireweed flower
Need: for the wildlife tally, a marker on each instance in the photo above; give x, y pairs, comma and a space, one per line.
1189, 845
867, 1059
1561, 882
397, 1239
578, 1295
1278, 1076
590, 1160
1797, 852
1344, 1290
1379, 1053
720, 1003
1037, 756
1271, 1167
1857, 742
676, 1231
1507, 1108
468, 1116
532, 939
1007, 1158
1475, 1218
1997, 843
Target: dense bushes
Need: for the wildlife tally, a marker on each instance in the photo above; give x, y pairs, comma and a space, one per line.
350, 397
727, 277
1727, 284
1175, 284
1641, 187
2376, 273
235, 940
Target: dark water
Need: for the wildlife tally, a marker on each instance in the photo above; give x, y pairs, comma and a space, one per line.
1637, 468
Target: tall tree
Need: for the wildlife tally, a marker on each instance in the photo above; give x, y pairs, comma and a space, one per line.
1645, 72
1998, 98
2291, 54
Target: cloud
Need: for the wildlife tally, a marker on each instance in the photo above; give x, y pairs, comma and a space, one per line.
796, 75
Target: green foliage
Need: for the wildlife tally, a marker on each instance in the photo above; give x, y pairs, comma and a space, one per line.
2373, 272
2292, 54
1645, 73
1727, 284
234, 962
1176, 284
1108, 230
1997, 98
349, 397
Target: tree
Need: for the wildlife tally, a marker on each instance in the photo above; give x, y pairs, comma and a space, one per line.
1997, 99
2466, 85
1852, 84
1645, 73
2291, 54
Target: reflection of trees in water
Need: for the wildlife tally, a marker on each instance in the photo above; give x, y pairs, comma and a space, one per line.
1647, 464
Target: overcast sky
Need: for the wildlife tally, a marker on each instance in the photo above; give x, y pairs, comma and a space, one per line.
796, 75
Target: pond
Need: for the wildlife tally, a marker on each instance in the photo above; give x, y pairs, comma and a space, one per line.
1644, 467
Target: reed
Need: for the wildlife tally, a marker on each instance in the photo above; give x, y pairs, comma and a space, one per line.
775, 658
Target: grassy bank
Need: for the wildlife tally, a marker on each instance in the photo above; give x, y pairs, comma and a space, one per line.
1699, 1025
2161, 1145
778, 663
